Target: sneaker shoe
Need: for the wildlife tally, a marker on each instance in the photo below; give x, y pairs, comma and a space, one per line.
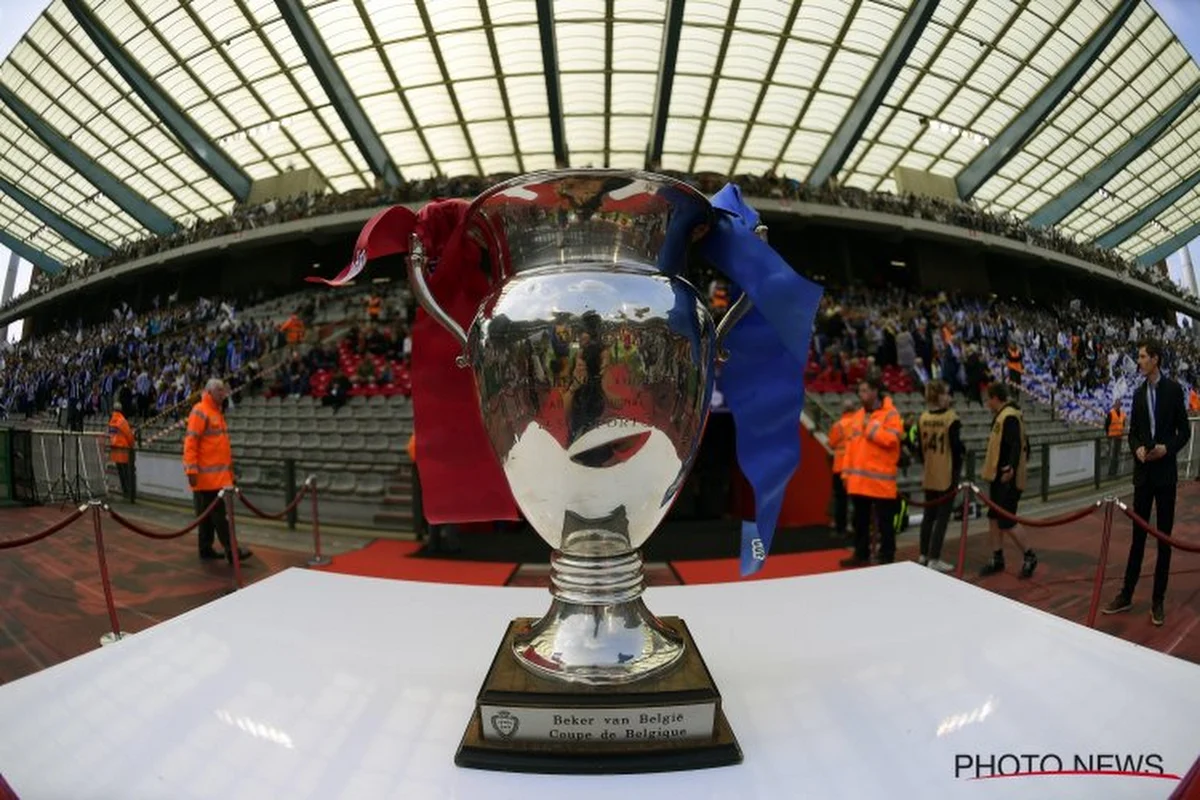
855, 561
940, 566
1156, 613
923, 560
211, 555
1029, 564
993, 566
1119, 603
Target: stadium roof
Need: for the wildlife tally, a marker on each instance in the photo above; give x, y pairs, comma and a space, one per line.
119, 118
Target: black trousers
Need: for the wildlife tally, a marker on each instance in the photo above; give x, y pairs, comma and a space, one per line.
934, 523
1163, 499
125, 476
841, 503
215, 522
884, 513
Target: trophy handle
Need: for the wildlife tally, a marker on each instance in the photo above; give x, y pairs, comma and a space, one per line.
416, 279
738, 310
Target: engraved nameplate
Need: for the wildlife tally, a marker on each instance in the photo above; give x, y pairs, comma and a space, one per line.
598, 725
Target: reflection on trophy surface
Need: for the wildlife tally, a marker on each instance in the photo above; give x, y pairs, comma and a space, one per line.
593, 360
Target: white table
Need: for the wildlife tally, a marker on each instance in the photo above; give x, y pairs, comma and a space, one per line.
852, 685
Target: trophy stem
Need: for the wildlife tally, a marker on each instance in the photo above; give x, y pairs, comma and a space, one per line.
598, 630
601, 580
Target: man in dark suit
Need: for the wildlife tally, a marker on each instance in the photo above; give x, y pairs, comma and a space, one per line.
1158, 430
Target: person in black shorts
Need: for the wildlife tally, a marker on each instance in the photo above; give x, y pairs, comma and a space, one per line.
1005, 465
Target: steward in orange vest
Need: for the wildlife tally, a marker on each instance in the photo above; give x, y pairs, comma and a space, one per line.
120, 437
208, 463
1016, 364
872, 461
120, 448
1116, 421
1114, 425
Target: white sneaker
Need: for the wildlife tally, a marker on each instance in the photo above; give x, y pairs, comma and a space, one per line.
941, 566
923, 561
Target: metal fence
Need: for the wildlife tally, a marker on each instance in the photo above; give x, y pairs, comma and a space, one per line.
68, 466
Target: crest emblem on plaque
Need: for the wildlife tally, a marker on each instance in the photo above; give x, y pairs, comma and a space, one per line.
505, 724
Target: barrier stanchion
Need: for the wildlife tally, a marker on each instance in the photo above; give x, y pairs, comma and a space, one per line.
1098, 584
115, 635
228, 494
967, 490
317, 560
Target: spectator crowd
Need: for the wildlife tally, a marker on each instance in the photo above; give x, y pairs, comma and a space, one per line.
149, 362
273, 212
1074, 358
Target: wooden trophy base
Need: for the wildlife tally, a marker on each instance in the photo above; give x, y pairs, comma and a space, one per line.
525, 723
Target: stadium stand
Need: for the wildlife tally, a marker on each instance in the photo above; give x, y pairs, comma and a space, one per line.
962, 214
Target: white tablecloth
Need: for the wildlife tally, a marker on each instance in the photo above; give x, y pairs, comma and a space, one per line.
871, 683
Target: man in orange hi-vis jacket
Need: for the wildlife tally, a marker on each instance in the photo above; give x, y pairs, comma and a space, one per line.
872, 460
208, 463
120, 450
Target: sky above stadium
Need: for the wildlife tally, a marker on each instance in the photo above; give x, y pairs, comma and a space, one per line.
16, 17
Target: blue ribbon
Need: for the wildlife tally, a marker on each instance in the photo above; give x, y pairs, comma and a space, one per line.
763, 381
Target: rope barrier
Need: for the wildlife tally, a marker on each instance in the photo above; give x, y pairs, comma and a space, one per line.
295, 502
53, 529
133, 526
1049, 522
946, 498
1187, 547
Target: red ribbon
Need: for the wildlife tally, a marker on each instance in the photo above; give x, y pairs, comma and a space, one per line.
461, 478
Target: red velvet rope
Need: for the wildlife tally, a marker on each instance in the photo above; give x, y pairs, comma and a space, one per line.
1156, 533
935, 503
1049, 522
53, 529
139, 530
295, 502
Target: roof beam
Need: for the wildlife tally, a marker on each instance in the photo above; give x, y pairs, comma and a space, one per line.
36, 257
130, 201
68, 230
334, 83
558, 135
1009, 141
672, 32
872, 94
1057, 209
1176, 242
206, 152
1131, 225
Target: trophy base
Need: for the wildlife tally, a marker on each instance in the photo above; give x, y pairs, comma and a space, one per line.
526, 723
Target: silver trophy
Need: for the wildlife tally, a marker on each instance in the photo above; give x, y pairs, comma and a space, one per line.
593, 359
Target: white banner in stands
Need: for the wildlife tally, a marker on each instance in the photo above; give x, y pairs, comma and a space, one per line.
1072, 463
161, 475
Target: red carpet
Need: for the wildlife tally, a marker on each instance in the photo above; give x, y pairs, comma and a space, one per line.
387, 558
782, 565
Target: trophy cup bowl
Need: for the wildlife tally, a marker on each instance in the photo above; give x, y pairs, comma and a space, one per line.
593, 358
